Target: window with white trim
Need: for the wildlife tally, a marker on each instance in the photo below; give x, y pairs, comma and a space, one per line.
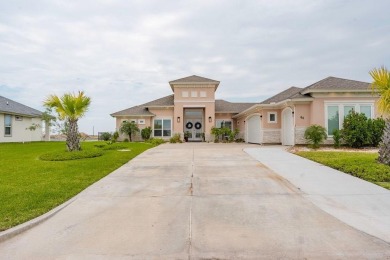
194, 93
184, 93
272, 117
7, 125
141, 121
220, 123
162, 127
203, 94
335, 114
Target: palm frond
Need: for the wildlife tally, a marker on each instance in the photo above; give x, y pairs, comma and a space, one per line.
381, 84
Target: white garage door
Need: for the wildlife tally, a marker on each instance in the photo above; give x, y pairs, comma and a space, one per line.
254, 133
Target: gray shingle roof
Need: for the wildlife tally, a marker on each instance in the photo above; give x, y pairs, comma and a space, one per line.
223, 106
141, 110
9, 106
164, 101
194, 79
333, 83
133, 111
289, 93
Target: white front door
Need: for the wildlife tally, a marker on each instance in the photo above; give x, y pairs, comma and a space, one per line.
254, 129
194, 127
287, 127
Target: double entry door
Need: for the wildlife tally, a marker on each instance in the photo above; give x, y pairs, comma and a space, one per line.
194, 129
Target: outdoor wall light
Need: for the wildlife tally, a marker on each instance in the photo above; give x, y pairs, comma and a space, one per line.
302, 117
210, 119
178, 119
261, 116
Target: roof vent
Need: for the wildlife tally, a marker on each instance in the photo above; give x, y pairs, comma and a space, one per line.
7, 103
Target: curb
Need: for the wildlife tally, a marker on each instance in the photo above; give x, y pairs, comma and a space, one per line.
10, 233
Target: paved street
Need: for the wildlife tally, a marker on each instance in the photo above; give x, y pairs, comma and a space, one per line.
193, 201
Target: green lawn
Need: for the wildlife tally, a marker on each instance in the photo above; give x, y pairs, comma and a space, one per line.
30, 187
359, 164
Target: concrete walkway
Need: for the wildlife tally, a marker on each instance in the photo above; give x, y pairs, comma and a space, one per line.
193, 201
358, 203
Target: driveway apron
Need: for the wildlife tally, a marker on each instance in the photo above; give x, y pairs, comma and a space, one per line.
193, 201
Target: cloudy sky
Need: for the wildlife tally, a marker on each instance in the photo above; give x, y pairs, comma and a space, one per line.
123, 53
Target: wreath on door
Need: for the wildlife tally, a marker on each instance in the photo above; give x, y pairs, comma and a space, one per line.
189, 125
198, 125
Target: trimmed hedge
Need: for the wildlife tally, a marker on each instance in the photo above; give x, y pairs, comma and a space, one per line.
66, 156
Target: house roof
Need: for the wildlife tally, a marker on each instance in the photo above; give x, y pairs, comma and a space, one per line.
141, 110
337, 84
290, 93
193, 79
9, 106
223, 106
164, 101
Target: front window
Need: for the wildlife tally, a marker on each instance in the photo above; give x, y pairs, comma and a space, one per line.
7, 125
366, 110
337, 112
224, 123
272, 117
333, 119
162, 127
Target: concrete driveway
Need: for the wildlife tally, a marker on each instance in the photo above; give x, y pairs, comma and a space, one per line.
193, 201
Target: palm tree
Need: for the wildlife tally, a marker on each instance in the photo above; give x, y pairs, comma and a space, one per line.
70, 107
381, 85
129, 128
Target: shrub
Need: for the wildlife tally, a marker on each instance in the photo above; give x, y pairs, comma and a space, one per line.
217, 133
375, 130
224, 134
146, 133
126, 140
114, 137
105, 136
155, 141
355, 131
175, 139
315, 135
115, 146
337, 138
66, 156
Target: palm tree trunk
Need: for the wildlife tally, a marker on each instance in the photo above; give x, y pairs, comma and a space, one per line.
384, 148
130, 137
72, 137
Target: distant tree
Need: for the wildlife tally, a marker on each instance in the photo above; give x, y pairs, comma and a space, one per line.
70, 107
49, 120
381, 85
129, 128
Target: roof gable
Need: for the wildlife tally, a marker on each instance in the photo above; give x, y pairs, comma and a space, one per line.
330, 84
13, 107
290, 93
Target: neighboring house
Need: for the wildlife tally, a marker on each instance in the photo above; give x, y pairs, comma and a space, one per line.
282, 118
16, 120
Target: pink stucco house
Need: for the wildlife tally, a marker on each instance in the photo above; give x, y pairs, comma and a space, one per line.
282, 118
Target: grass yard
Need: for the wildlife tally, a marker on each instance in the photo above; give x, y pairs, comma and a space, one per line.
30, 187
359, 164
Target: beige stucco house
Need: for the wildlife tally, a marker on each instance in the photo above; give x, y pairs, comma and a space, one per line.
282, 118
16, 120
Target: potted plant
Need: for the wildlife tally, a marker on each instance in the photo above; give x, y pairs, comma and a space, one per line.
186, 135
